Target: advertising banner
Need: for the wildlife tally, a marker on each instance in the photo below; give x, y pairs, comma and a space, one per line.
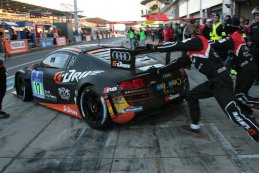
46, 42
16, 46
61, 41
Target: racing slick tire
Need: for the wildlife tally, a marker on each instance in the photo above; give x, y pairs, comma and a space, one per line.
23, 89
93, 109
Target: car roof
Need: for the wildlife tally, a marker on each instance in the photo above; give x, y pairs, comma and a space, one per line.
86, 47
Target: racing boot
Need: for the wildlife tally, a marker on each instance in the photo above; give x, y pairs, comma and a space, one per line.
4, 115
192, 129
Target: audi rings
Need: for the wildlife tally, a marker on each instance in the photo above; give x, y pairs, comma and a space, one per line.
121, 56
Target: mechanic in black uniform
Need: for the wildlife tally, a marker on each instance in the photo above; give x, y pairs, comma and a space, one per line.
2, 78
219, 84
241, 60
254, 34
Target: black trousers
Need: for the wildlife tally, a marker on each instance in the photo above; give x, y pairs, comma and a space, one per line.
244, 81
221, 87
255, 53
2, 94
245, 78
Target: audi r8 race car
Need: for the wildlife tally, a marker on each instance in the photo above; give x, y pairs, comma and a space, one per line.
101, 84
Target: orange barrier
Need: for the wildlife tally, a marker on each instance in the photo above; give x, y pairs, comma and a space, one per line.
16, 46
61, 41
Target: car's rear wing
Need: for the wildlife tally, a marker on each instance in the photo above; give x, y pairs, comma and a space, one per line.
123, 58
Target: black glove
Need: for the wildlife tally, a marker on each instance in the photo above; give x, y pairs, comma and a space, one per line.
151, 47
153, 70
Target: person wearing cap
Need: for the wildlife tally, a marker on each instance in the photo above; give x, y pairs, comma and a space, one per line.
254, 35
218, 85
241, 60
207, 29
217, 28
2, 78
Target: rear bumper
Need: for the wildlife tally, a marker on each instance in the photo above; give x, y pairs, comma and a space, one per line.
124, 106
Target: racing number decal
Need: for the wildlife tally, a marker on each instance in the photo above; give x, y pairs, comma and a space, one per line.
37, 84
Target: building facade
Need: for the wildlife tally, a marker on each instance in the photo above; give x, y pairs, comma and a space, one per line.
201, 8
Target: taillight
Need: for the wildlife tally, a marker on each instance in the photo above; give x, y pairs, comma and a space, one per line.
133, 84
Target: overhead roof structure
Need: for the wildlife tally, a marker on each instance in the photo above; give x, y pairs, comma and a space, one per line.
14, 6
97, 20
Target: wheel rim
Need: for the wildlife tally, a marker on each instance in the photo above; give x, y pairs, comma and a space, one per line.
92, 107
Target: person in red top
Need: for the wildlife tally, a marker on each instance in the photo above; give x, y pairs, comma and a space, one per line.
218, 85
168, 34
241, 60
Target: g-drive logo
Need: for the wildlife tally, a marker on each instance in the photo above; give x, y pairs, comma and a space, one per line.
73, 75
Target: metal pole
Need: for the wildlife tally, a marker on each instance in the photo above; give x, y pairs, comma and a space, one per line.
187, 4
201, 14
75, 17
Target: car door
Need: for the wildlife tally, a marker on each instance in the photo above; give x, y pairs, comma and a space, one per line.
46, 78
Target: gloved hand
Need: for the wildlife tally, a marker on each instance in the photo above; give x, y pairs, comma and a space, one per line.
153, 70
151, 47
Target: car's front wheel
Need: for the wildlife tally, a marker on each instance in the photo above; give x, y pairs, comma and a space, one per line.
23, 89
93, 109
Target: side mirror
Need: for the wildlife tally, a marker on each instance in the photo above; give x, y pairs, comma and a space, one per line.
34, 66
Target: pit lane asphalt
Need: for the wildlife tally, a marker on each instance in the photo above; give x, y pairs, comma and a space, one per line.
38, 139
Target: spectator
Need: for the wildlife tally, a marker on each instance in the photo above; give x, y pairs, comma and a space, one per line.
217, 28
178, 32
153, 35
187, 28
142, 37
245, 27
168, 34
160, 34
131, 35
207, 29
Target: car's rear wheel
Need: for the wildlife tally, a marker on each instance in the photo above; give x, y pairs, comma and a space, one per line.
93, 109
23, 89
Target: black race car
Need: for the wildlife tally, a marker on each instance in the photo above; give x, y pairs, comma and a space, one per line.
101, 84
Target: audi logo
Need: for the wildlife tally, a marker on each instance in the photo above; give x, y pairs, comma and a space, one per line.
121, 56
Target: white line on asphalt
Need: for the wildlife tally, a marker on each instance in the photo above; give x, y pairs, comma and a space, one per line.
7, 106
229, 149
249, 156
23, 64
31, 53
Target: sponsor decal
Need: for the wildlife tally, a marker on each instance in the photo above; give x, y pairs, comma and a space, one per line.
37, 84
167, 75
64, 93
170, 83
120, 64
72, 61
121, 56
230, 109
135, 91
73, 75
134, 109
240, 121
108, 89
171, 97
17, 44
69, 110
49, 96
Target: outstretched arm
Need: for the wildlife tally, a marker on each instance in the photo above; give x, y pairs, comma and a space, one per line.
191, 44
